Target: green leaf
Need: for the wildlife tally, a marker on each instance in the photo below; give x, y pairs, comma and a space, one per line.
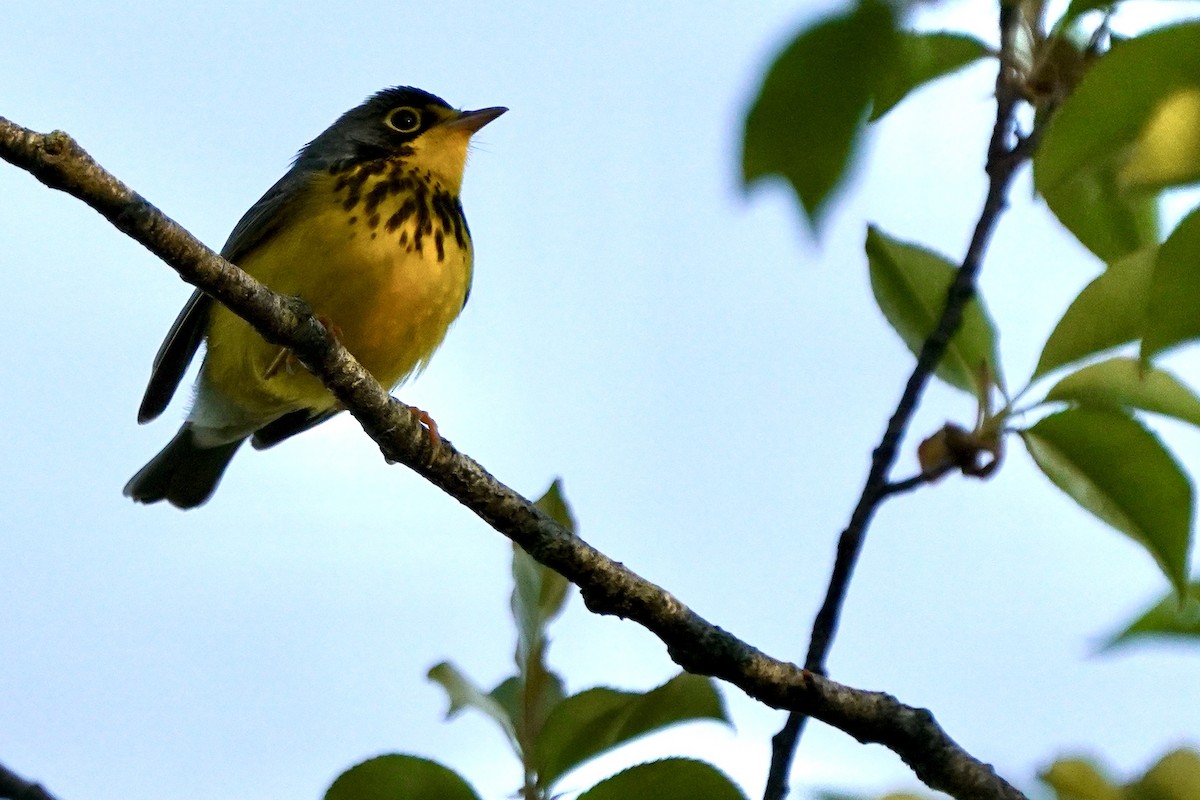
1079, 779
910, 285
669, 779
554, 503
1167, 618
1126, 383
1104, 219
400, 777
539, 592
529, 710
538, 596
1175, 777
597, 720
1118, 97
1078, 8
1126, 127
1110, 311
1171, 317
807, 120
923, 58
463, 693
1119, 471
508, 694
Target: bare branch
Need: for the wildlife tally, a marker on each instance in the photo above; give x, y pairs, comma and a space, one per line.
607, 587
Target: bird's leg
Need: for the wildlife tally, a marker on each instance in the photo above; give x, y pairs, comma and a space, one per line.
285, 359
284, 356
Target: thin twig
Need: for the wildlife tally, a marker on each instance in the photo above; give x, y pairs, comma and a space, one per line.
607, 586
1004, 158
906, 485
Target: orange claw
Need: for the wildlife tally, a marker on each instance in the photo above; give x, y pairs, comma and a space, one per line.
430, 425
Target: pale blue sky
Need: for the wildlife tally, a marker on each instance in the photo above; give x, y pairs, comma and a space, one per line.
707, 380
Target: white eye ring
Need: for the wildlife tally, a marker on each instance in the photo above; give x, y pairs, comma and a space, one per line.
404, 119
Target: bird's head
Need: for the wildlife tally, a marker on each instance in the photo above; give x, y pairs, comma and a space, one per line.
405, 123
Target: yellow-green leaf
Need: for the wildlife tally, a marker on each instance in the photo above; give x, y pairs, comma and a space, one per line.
1079, 779
539, 592
1171, 312
923, 58
1110, 311
1126, 383
463, 693
1166, 619
1117, 136
400, 777
910, 284
668, 779
1167, 152
1116, 469
1117, 99
807, 120
1175, 777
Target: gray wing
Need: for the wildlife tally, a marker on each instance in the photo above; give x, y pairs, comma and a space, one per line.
272, 211
268, 215
174, 355
289, 425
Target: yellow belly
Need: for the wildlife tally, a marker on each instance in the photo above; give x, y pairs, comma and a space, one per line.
389, 294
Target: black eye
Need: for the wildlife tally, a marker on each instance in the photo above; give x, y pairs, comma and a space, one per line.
404, 119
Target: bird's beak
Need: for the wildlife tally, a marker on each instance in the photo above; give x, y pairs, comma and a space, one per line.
472, 121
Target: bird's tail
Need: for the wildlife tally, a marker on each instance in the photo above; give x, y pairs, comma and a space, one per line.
184, 473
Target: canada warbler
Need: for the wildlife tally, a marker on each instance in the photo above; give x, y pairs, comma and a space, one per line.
367, 228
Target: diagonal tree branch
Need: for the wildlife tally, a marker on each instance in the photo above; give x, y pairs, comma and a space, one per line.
1005, 156
607, 586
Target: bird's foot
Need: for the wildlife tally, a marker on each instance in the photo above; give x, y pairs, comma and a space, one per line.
435, 438
286, 360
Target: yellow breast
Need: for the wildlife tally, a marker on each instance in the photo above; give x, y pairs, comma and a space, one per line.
382, 254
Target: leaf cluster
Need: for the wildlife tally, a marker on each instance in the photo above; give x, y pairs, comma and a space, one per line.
550, 731
1115, 123
1175, 776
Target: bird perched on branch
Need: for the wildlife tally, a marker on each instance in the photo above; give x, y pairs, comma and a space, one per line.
367, 228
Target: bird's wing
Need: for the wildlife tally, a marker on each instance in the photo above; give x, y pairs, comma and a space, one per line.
289, 425
272, 211
174, 355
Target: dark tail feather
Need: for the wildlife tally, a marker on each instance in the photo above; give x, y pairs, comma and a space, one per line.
184, 474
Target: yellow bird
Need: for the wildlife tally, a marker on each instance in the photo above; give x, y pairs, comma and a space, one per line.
367, 228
